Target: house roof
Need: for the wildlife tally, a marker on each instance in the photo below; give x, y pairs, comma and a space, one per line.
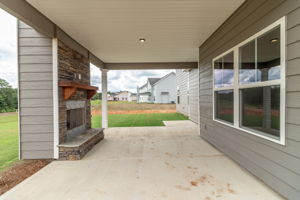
172, 73
153, 80
143, 86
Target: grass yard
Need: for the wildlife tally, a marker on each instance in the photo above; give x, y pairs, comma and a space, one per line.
9, 145
127, 119
132, 120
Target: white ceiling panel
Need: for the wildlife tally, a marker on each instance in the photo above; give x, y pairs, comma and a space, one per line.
110, 29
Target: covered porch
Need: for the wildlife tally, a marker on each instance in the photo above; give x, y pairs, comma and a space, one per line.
170, 162
60, 38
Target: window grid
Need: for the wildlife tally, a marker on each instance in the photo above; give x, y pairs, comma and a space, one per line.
237, 86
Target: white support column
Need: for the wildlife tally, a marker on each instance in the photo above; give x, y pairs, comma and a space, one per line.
104, 98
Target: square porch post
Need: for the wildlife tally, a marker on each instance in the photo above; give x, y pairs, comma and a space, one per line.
104, 98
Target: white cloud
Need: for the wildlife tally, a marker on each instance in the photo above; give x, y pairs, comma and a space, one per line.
125, 79
8, 48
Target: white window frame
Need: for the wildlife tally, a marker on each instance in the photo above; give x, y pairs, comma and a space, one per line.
237, 86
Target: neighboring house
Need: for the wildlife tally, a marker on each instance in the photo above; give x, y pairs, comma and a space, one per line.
121, 96
158, 90
187, 83
110, 97
132, 96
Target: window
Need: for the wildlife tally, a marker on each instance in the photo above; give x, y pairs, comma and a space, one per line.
224, 71
249, 84
260, 109
260, 58
223, 82
224, 105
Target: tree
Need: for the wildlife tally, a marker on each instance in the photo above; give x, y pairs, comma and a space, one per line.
8, 97
97, 96
4, 84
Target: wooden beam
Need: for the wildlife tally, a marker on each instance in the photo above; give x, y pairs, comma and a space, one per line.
155, 65
70, 88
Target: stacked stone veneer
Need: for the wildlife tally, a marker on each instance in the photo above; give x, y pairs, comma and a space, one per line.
71, 66
78, 152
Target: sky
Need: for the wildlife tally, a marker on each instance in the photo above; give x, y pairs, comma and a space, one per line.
118, 80
8, 48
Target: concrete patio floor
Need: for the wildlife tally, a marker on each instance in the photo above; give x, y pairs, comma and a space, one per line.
145, 163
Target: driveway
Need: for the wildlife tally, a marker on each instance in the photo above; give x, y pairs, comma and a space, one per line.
145, 163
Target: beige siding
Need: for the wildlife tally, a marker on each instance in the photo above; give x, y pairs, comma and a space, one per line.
36, 95
276, 165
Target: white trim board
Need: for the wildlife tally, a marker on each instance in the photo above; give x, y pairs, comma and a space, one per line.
55, 99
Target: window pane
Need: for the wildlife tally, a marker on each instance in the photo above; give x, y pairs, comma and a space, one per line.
268, 55
223, 71
260, 109
228, 69
218, 72
247, 63
224, 105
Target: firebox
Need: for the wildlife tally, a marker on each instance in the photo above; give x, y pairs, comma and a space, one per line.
76, 118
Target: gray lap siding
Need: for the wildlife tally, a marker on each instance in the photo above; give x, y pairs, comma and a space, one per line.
275, 164
36, 94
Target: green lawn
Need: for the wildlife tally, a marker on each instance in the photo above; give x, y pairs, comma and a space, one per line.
9, 144
131, 120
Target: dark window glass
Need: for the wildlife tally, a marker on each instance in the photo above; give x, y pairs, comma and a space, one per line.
228, 69
223, 71
266, 65
218, 66
268, 56
224, 105
260, 109
247, 63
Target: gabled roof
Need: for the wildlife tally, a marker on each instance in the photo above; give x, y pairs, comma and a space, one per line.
172, 73
143, 86
153, 80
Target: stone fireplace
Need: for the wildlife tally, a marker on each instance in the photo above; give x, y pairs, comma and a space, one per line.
76, 137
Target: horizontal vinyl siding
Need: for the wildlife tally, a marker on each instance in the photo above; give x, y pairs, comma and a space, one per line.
36, 94
188, 105
276, 165
194, 95
181, 83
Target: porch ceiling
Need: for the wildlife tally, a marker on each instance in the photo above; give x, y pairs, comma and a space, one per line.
173, 29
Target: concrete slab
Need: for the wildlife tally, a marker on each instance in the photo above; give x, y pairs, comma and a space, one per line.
145, 163
185, 123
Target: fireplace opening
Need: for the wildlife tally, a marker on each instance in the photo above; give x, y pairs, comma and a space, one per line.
75, 118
